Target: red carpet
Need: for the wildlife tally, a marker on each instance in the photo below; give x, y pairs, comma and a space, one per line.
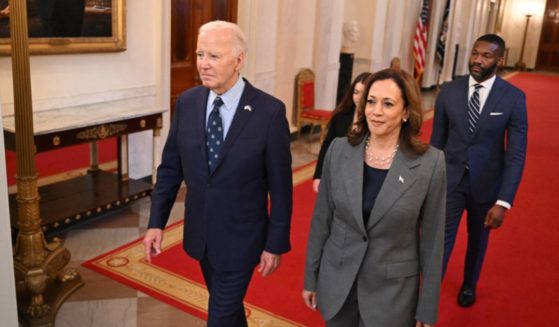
278, 295
64, 159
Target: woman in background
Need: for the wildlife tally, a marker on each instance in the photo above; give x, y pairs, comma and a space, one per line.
343, 118
374, 254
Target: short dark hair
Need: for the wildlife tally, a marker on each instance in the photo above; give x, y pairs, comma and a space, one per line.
494, 39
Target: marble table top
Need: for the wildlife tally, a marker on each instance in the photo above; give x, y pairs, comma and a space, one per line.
55, 120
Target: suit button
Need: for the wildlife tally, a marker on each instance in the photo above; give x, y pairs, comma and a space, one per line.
364, 238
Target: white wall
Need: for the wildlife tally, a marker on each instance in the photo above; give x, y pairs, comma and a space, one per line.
61, 76
139, 74
514, 24
8, 309
288, 35
294, 47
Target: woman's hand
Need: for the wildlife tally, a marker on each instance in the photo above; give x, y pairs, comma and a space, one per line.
422, 324
315, 184
5, 12
310, 299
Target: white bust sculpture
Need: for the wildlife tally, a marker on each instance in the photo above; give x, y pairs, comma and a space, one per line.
350, 35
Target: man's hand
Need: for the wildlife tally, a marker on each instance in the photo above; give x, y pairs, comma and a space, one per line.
315, 184
495, 217
5, 12
152, 242
422, 324
310, 299
269, 262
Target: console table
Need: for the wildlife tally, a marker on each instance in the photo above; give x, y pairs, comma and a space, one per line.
71, 202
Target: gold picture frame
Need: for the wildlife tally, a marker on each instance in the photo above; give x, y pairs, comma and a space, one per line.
83, 44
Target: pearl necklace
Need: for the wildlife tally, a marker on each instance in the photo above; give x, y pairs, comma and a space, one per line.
380, 161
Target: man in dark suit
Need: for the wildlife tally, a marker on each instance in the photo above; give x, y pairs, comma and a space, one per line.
481, 125
229, 143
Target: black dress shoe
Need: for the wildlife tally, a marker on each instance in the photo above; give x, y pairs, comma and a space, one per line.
466, 296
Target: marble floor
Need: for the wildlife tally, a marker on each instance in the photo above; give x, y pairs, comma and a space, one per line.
103, 302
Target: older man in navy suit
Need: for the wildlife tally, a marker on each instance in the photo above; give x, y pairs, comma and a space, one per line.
481, 125
229, 143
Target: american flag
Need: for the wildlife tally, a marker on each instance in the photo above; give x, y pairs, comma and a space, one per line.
420, 40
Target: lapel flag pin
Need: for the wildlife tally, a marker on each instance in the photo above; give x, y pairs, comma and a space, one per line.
401, 179
248, 108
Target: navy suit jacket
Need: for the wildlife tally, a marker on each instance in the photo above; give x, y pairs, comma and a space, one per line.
496, 152
227, 215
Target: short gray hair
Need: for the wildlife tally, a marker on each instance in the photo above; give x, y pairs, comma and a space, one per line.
241, 41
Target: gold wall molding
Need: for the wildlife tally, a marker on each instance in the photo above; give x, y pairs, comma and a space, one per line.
101, 132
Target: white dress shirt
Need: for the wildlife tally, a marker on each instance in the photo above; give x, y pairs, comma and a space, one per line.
483, 94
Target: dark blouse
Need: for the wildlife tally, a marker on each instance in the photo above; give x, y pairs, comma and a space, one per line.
338, 127
372, 182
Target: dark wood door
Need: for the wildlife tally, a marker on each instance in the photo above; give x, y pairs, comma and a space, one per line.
187, 17
548, 51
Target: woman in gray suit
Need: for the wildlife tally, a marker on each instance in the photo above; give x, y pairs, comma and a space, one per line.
376, 242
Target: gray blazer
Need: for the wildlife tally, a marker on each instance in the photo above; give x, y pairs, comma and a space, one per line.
396, 259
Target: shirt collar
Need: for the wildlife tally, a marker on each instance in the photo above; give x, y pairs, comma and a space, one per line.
487, 84
231, 97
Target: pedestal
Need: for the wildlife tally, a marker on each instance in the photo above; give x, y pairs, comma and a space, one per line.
344, 76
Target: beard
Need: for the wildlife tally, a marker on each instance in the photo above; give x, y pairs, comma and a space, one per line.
484, 73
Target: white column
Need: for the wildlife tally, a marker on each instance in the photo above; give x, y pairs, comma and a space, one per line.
480, 15
461, 33
294, 47
379, 17
8, 307
457, 35
393, 45
286, 51
452, 37
328, 38
259, 21
246, 13
492, 17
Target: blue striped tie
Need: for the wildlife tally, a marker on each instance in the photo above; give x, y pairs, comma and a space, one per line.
473, 109
214, 134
